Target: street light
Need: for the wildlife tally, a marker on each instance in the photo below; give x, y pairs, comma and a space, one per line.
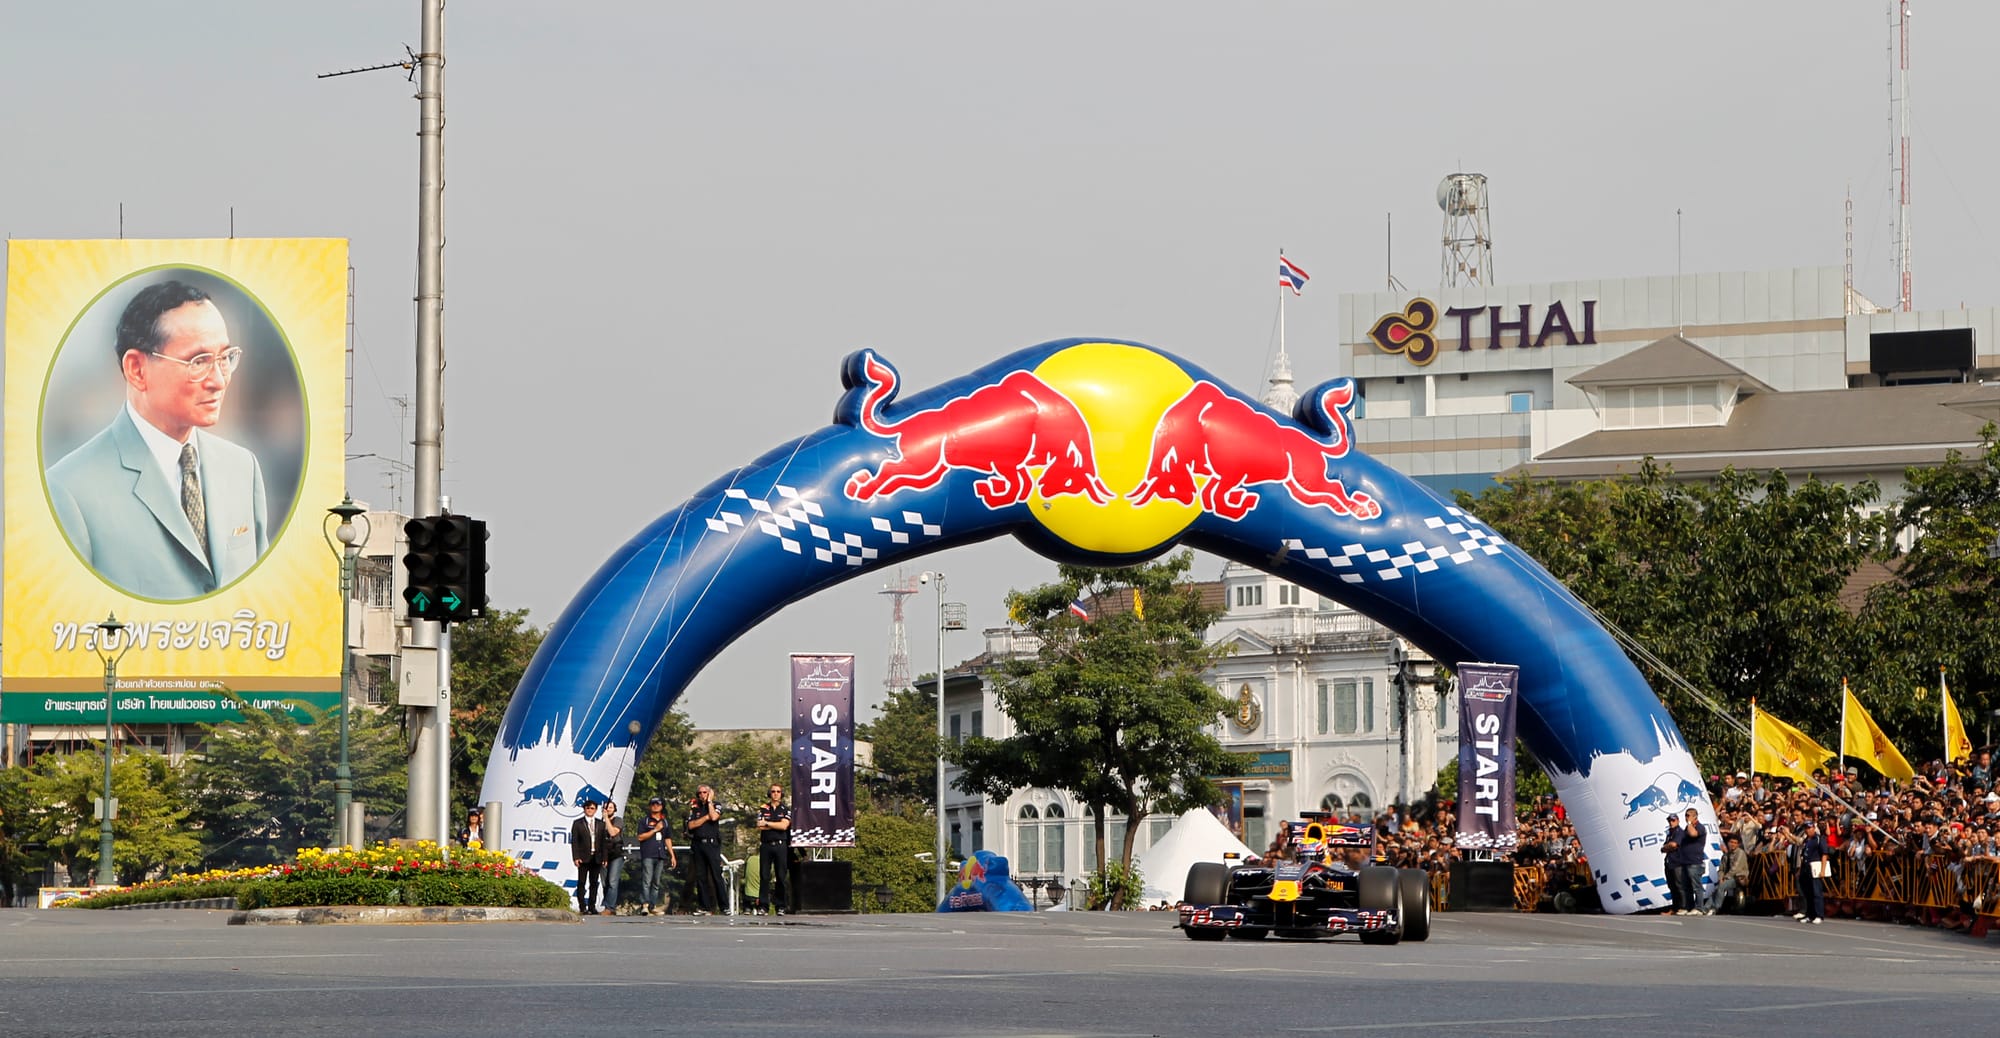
345, 542
107, 632
945, 622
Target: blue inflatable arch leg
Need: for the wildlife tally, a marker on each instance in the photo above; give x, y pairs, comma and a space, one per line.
1099, 452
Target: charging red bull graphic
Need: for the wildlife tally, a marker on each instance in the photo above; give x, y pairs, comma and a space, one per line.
1102, 453
1001, 430
1211, 440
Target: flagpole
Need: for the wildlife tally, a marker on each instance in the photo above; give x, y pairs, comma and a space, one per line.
1753, 737
1841, 762
1281, 305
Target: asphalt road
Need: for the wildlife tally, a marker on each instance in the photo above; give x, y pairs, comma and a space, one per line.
186, 973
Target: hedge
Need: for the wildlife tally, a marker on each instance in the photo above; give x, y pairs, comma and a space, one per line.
151, 895
496, 891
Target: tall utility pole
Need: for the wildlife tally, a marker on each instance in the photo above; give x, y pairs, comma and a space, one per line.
430, 776
1899, 143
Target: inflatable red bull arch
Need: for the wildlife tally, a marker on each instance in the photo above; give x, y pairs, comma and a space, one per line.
1097, 452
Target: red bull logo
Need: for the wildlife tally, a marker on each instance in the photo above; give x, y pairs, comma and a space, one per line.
1114, 447
1002, 430
1212, 444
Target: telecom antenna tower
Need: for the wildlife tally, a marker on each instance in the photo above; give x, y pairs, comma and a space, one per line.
898, 677
1468, 238
1899, 141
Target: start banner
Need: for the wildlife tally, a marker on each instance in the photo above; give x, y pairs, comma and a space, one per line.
822, 750
1487, 695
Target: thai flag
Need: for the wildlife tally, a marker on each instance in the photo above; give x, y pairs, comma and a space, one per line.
1077, 609
1291, 274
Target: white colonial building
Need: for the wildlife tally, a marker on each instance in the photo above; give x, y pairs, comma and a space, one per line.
1338, 713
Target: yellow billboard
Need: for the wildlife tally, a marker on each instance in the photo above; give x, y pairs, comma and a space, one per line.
174, 433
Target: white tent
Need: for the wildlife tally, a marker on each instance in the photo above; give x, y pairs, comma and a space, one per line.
1197, 836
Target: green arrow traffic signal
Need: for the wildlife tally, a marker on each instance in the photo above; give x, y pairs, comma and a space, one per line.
451, 602
421, 601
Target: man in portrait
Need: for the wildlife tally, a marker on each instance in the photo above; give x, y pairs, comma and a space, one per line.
156, 503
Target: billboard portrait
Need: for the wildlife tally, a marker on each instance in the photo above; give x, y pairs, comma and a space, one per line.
172, 407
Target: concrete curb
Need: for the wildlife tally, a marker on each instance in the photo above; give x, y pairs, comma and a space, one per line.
330, 915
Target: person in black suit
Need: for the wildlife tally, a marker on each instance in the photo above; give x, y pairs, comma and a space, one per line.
774, 851
588, 845
704, 830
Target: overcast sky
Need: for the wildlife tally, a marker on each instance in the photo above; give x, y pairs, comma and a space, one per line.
667, 223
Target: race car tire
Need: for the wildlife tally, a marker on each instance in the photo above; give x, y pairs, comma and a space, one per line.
1416, 884
1207, 883
1381, 891
1203, 933
1250, 933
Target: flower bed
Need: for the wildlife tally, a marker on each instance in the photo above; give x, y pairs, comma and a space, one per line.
378, 875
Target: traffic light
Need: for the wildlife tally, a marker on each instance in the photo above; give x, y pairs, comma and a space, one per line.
446, 567
420, 565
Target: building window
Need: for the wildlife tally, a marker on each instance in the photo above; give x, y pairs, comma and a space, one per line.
1250, 595
956, 736
978, 835
1027, 856
1159, 827
1346, 708
1520, 402
1052, 840
1360, 804
375, 579
1398, 696
1331, 804
1288, 594
1320, 710
1443, 710
978, 723
955, 852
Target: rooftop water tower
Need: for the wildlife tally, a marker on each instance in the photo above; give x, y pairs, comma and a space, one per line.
1468, 240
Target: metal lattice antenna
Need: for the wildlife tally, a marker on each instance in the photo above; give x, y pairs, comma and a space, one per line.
898, 677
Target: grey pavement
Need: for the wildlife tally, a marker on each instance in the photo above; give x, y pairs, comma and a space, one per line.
188, 973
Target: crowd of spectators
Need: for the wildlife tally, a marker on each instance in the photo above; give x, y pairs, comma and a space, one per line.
1948, 813
1425, 836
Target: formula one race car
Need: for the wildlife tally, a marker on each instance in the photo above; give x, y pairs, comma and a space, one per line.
1327, 889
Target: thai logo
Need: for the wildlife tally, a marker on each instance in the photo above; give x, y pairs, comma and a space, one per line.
1408, 332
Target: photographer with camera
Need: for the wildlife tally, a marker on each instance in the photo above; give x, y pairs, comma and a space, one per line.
705, 839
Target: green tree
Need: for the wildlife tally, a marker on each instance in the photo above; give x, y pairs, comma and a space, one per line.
887, 842
904, 741
263, 787
488, 657
742, 768
666, 770
1734, 583
149, 833
1116, 710
1942, 607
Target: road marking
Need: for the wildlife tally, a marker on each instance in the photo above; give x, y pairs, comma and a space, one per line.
365, 988
1404, 1025
1817, 1005
200, 958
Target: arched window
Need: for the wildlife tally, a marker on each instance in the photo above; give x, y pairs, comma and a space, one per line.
1331, 803
1052, 839
1360, 805
1028, 841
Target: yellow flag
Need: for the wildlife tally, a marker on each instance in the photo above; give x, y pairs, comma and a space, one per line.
1865, 739
1138, 603
1956, 746
1777, 748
